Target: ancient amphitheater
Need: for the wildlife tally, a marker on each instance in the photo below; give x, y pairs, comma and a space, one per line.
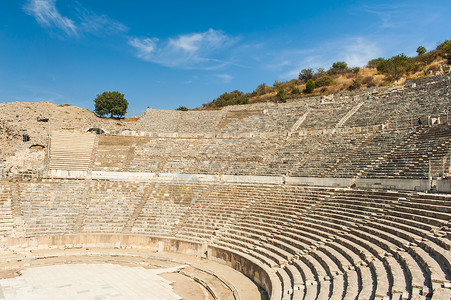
343, 197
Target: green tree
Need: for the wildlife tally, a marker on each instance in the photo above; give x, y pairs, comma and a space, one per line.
445, 46
295, 91
375, 62
421, 50
305, 74
261, 89
111, 103
324, 80
232, 98
340, 65
309, 86
320, 71
182, 108
281, 96
397, 66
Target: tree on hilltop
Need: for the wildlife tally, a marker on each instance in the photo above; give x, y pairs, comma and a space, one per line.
340, 65
421, 50
111, 103
305, 74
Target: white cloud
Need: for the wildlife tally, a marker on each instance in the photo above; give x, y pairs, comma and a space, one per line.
46, 14
190, 51
84, 20
93, 23
358, 51
226, 78
144, 47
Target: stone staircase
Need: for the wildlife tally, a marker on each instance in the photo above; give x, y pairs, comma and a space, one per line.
71, 151
349, 115
6, 218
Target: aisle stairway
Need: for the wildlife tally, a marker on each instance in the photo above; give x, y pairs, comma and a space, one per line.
71, 151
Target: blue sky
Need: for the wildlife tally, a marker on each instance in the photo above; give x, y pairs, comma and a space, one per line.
165, 54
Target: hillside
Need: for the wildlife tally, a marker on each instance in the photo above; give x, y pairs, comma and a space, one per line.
340, 78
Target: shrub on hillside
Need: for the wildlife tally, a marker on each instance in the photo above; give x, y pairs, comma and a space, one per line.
445, 46
355, 85
305, 75
232, 98
340, 65
421, 50
320, 71
295, 91
324, 80
397, 66
309, 86
277, 84
368, 81
261, 89
182, 108
375, 62
281, 97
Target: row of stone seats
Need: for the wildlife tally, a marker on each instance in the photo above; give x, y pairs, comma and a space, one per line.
322, 243
110, 206
412, 160
163, 208
407, 103
351, 163
6, 218
325, 116
396, 154
272, 119
51, 207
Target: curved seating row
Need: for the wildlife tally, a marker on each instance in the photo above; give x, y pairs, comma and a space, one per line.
320, 242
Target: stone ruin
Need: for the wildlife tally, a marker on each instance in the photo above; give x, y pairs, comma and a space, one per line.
310, 199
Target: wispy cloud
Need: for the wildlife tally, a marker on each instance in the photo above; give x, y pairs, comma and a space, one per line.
95, 24
203, 50
83, 21
46, 14
226, 78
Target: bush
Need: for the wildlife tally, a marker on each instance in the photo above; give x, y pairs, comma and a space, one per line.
355, 70
445, 46
375, 62
320, 71
324, 80
340, 65
421, 50
232, 98
355, 85
295, 91
368, 80
397, 66
277, 84
111, 103
261, 89
182, 108
305, 75
309, 86
281, 96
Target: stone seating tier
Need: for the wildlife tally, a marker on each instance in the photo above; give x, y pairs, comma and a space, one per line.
321, 242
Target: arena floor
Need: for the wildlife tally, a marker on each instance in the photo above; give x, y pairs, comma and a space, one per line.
103, 274
89, 281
